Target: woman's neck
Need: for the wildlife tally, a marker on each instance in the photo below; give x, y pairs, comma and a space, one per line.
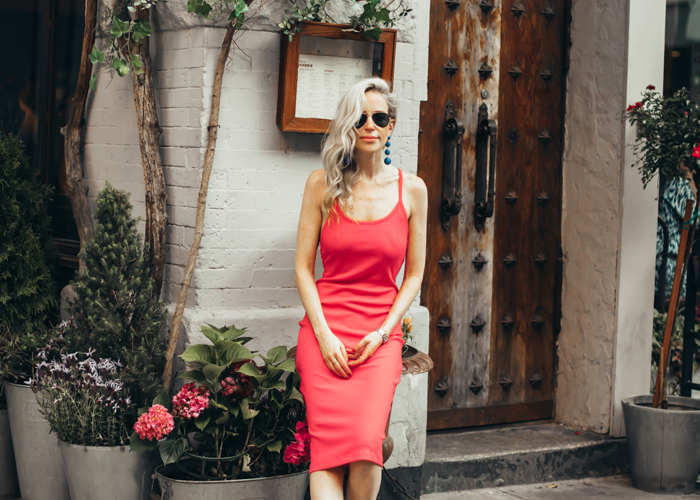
369, 165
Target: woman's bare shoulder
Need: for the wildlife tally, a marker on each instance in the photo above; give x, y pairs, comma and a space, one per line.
416, 193
316, 180
316, 183
415, 186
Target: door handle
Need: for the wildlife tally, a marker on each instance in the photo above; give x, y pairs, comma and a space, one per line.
486, 143
451, 166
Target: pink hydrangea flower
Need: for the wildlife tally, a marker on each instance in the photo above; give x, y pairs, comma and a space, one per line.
299, 451
155, 424
190, 401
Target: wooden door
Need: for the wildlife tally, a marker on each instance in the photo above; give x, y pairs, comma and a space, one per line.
490, 148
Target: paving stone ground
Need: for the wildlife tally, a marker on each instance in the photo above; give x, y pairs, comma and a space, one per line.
618, 487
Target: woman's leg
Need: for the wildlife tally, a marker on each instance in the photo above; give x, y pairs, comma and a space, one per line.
327, 484
364, 480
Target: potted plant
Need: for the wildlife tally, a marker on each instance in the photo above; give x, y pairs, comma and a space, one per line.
663, 440
107, 361
9, 484
28, 309
236, 430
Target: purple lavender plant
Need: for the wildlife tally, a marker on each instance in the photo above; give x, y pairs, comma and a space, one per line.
82, 398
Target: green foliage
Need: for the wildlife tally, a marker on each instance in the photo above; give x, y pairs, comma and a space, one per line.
28, 297
122, 29
18, 352
251, 413
205, 8
369, 19
114, 311
374, 16
667, 131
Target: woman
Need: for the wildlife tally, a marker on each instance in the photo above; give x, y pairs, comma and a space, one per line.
368, 217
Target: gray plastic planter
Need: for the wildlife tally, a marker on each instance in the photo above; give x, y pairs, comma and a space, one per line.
289, 487
9, 484
39, 464
664, 445
107, 472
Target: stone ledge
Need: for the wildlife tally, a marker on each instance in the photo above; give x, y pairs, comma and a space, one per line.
464, 460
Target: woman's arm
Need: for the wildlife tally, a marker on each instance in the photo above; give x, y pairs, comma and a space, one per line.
332, 349
413, 274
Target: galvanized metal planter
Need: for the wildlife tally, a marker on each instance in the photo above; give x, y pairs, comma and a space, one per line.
107, 472
39, 464
288, 487
664, 445
9, 484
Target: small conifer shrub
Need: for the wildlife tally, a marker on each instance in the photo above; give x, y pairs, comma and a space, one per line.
115, 311
28, 296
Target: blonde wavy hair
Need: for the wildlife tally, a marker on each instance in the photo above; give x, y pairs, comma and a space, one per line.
338, 146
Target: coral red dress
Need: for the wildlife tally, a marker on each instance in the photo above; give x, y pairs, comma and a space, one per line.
361, 260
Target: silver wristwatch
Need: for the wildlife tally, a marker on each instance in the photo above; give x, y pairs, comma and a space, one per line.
385, 336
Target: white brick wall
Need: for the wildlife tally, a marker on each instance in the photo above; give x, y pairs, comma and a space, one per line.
245, 269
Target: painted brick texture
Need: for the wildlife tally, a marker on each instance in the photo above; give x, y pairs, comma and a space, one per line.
245, 268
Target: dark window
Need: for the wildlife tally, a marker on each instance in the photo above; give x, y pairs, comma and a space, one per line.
682, 51
42, 42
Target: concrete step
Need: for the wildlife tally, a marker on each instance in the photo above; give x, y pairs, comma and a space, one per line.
611, 487
458, 460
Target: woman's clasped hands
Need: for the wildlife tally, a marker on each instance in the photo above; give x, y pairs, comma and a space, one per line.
339, 358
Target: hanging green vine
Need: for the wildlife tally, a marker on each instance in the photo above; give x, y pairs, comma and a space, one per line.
122, 29
369, 19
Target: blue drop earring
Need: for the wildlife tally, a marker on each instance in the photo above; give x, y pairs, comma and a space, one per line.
387, 160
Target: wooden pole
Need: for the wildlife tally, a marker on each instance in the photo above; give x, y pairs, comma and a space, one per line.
201, 204
73, 133
149, 144
673, 306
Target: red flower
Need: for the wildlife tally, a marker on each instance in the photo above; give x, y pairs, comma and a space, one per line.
299, 451
635, 106
696, 151
651, 87
155, 424
190, 401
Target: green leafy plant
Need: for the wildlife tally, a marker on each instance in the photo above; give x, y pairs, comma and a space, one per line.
369, 18
668, 133
28, 296
114, 311
18, 352
234, 412
205, 8
122, 29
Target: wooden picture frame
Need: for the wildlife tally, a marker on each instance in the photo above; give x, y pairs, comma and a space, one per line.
289, 71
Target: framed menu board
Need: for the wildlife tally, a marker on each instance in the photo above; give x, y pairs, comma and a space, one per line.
319, 65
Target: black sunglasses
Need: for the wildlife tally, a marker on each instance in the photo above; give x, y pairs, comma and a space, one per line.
380, 119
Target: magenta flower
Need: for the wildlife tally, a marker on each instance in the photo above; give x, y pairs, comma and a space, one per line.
190, 401
651, 87
299, 451
155, 424
696, 151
